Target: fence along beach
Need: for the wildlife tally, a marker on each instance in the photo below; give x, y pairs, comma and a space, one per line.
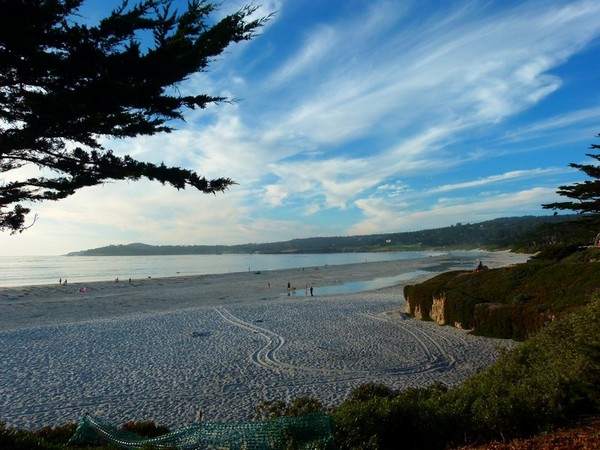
167, 349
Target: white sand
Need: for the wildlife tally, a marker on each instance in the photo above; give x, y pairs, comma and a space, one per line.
169, 349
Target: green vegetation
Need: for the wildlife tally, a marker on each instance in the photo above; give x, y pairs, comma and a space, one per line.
512, 302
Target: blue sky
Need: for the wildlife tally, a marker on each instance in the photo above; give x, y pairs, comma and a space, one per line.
360, 117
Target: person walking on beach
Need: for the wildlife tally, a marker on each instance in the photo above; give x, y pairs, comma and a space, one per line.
311, 291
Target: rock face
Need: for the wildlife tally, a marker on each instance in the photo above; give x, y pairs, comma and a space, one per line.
418, 313
437, 313
438, 310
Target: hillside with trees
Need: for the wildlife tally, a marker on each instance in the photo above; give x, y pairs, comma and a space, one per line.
516, 233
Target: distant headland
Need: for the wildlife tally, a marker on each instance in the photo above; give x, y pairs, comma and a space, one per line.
497, 234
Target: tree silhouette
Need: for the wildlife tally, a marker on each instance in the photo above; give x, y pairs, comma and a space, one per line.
64, 85
585, 195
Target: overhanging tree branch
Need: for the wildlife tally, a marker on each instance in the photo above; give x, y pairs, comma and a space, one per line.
65, 82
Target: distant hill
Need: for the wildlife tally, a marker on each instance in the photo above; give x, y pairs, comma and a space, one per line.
523, 233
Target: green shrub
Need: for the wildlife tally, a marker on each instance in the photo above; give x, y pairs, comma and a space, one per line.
553, 376
558, 252
47, 438
147, 429
367, 391
410, 419
57, 435
271, 409
304, 405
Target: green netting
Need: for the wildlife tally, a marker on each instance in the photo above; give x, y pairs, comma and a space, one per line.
308, 432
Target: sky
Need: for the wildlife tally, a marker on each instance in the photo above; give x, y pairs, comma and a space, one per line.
358, 117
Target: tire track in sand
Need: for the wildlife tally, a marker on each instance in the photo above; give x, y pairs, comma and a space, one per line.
265, 356
437, 358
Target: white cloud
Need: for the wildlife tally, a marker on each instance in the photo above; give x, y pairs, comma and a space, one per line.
560, 125
383, 215
494, 179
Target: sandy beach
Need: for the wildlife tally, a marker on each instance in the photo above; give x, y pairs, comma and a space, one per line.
173, 350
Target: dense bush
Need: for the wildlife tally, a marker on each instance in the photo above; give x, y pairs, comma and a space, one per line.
553, 376
367, 391
270, 409
145, 428
47, 438
410, 419
557, 252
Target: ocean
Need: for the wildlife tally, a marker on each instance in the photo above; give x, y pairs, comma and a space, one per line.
36, 270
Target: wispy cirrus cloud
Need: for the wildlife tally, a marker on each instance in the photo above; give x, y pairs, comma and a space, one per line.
495, 179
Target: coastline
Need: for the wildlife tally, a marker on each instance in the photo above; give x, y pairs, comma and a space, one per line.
171, 349
30, 306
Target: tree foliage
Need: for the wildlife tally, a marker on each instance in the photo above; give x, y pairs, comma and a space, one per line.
585, 195
65, 85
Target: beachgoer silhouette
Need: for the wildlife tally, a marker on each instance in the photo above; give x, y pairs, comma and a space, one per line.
311, 291
65, 282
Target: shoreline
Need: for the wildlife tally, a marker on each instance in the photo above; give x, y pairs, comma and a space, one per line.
48, 270
172, 349
38, 305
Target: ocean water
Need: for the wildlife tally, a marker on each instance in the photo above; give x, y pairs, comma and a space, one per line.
36, 270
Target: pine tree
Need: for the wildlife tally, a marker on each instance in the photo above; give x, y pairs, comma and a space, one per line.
585, 195
64, 85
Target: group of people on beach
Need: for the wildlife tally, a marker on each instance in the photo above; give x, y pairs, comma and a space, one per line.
64, 283
292, 289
